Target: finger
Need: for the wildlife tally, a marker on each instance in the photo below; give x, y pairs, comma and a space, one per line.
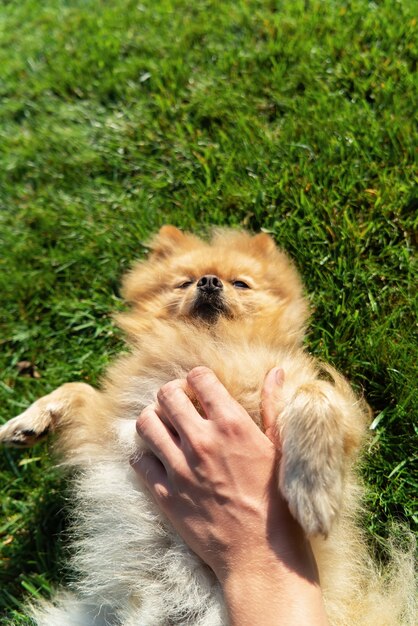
160, 439
159, 411
175, 407
153, 474
214, 399
271, 402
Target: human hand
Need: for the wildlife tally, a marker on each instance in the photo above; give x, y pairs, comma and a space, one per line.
215, 478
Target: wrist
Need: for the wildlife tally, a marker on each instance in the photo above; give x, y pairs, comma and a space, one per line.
272, 600
283, 553
272, 589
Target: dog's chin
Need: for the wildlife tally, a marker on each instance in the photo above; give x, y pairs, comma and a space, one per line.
208, 309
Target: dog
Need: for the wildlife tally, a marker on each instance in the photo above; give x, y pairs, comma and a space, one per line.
235, 304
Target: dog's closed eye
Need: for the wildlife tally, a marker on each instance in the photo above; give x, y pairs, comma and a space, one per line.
185, 284
240, 284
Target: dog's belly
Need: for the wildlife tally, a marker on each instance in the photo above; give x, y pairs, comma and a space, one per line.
129, 559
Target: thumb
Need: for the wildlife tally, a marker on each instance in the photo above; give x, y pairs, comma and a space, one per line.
271, 402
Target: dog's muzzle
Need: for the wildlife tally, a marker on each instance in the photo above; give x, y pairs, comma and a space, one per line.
209, 302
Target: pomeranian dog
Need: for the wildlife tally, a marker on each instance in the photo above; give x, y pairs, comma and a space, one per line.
234, 304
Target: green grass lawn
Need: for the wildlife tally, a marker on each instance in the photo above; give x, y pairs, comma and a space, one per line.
117, 117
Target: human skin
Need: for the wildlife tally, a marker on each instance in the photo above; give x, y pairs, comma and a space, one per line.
214, 476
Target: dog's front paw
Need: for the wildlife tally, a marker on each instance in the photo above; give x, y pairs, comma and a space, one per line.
313, 498
312, 463
27, 428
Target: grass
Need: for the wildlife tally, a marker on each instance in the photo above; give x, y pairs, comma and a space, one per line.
294, 117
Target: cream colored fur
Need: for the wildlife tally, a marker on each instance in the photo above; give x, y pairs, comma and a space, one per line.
131, 567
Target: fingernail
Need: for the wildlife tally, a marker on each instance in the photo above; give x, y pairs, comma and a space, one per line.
279, 376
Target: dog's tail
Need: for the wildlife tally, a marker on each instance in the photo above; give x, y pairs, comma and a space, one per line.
365, 593
391, 598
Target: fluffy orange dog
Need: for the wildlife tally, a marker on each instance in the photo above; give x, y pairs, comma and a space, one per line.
236, 305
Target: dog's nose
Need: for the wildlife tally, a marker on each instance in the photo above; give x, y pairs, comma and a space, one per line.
210, 283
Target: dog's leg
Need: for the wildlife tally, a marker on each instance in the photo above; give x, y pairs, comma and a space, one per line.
60, 409
319, 429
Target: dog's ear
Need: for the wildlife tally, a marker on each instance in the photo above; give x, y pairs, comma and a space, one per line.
169, 240
263, 244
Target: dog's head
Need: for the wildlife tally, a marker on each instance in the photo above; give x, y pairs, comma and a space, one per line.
234, 277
